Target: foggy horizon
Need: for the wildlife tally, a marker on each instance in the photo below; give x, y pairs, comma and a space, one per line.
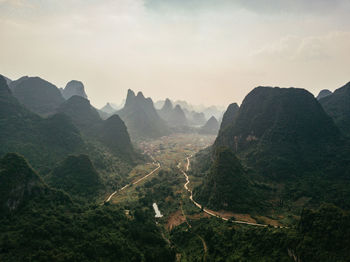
203, 52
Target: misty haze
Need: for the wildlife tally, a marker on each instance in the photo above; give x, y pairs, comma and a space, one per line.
187, 130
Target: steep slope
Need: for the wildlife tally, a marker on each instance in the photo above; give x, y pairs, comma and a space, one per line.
79, 109
211, 127
337, 105
74, 88
323, 93
114, 134
42, 141
111, 132
229, 115
8, 80
18, 182
226, 185
22, 188
37, 95
289, 144
14, 83
141, 118
77, 176
281, 131
166, 109
178, 117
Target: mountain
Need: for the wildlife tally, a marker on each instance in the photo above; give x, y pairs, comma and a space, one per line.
18, 182
79, 109
174, 116
211, 127
37, 94
323, 93
282, 131
42, 141
226, 186
159, 104
337, 105
40, 223
22, 188
285, 139
108, 108
178, 117
74, 88
8, 80
114, 134
111, 132
141, 118
166, 109
13, 83
77, 176
196, 118
212, 111
118, 106
229, 115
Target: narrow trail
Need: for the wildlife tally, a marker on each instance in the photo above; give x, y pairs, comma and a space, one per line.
209, 212
133, 183
205, 248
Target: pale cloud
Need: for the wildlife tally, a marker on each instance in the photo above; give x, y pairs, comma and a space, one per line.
332, 46
211, 52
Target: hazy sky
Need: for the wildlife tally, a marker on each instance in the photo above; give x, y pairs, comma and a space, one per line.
203, 51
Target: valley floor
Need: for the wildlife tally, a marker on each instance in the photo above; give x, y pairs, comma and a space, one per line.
164, 181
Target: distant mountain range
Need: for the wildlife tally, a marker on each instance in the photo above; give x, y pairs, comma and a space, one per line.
208, 111
40, 140
74, 88
323, 93
109, 109
174, 116
211, 127
43, 141
37, 94
141, 117
112, 132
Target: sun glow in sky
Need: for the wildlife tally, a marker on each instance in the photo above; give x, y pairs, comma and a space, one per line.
203, 51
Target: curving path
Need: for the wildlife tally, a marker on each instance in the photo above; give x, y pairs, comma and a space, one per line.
209, 212
134, 183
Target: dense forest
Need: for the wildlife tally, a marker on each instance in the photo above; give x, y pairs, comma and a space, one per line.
78, 187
